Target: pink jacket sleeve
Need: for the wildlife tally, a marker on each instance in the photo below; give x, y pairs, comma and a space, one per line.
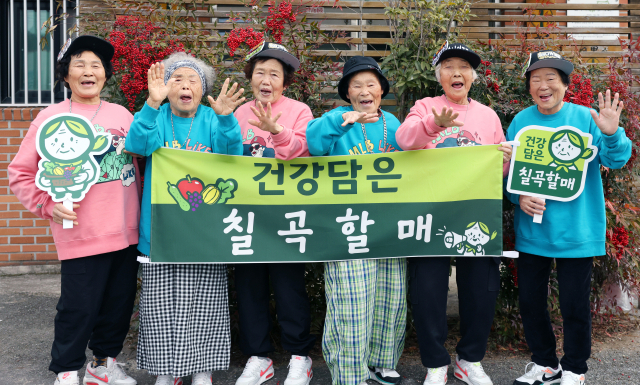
292, 141
418, 129
22, 177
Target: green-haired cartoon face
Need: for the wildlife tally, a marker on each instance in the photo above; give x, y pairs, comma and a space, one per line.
69, 140
477, 233
63, 144
567, 146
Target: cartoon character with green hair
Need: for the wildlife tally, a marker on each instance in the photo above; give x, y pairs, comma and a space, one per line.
476, 235
67, 144
566, 147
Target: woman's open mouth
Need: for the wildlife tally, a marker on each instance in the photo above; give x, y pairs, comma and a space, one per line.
457, 85
366, 103
265, 92
545, 98
88, 83
186, 99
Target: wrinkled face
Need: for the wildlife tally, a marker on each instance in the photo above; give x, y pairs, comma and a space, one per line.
86, 75
365, 92
267, 81
456, 77
186, 92
475, 236
65, 145
564, 149
547, 89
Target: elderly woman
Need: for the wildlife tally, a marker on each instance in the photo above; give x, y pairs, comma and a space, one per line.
273, 126
184, 315
453, 120
98, 255
366, 307
571, 232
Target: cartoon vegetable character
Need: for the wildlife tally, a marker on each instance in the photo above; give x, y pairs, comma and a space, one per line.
67, 144
566, 147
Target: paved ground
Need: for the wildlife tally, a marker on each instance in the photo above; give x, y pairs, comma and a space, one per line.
27, 309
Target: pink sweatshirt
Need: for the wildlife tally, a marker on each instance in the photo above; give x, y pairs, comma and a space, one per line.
288, 144
108, 216
419, 130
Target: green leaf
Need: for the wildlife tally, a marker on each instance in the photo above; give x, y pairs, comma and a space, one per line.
227, 188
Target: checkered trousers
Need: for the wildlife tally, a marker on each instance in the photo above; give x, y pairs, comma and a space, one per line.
366, 317
184, 319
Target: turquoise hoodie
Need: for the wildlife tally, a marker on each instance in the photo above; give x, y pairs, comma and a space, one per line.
576, 228
152, 129
326, 136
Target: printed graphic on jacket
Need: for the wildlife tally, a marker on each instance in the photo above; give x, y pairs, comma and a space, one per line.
68, 144
258, 148
463, 138
115, 164
359, 149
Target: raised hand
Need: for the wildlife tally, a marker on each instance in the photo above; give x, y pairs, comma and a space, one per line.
227, 100
447, 118
507, 150
266, 122
158, 91
609, 117
359, 117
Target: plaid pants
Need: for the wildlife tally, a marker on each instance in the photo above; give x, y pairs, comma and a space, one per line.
366, 317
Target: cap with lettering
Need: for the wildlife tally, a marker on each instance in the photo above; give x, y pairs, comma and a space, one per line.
460, 50
547, 59
275, 51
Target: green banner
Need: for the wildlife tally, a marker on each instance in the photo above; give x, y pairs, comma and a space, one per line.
236, 209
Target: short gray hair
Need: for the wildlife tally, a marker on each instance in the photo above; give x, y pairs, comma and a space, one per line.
209, 72
475, 74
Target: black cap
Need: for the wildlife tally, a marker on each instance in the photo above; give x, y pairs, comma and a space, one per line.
547, 59
275, 51
456, 50
87, 43
357, 64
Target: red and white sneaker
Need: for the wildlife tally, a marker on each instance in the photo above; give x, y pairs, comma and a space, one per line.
570, 378
256, 371
436, 376
112, 374
471, 372
67, 378
535, 374
300, 372
202, 378
168, 380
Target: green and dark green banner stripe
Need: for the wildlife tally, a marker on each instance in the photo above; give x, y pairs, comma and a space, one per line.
232, 209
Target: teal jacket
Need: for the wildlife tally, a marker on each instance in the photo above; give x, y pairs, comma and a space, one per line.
326, 136
576, 228
152, 129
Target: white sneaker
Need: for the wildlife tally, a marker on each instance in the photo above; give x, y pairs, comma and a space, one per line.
471, 372
436, 376
385, 376
202, 378
570, 378
67, 378
539, 375
112, 374
257, 371
168, 380
300, 372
